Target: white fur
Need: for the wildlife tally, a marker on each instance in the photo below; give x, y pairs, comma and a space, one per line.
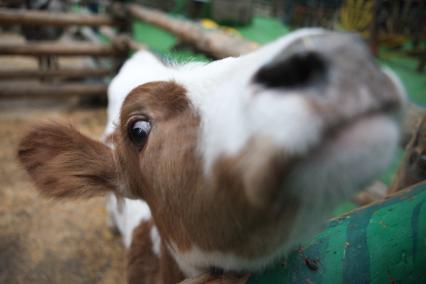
342, 166
232, 111
156, 240
127, 215
194, 261
397, 81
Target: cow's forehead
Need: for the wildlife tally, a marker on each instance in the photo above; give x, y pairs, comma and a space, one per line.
202, 80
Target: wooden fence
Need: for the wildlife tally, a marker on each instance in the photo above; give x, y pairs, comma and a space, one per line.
10, 79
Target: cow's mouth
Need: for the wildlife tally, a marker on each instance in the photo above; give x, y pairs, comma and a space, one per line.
350, 156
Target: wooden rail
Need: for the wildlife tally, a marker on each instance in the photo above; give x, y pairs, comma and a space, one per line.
63, 90
57, 19
60, 74
374, 244
215, 43
59, 49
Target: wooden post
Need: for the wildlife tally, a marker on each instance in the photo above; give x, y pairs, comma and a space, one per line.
412, 168
61, 74
26, 17
412, 116
59, 49
421, 55
217, 44
19, 90
374, 28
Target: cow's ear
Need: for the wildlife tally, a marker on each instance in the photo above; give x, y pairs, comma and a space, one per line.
65, 163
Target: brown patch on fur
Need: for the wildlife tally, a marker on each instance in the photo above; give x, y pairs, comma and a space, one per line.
64, 163
158, 102
146, 267
226, 278
166, 106
162, 100
142, 263
169, 270
246, 217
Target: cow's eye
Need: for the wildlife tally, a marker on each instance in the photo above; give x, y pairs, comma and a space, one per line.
138, 131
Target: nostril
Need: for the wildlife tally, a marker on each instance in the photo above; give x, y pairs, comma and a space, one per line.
298, 70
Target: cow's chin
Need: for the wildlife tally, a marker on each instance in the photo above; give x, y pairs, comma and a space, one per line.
355, 155
345, 163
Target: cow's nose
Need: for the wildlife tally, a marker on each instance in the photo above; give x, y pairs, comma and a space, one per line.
300, 69
307, 60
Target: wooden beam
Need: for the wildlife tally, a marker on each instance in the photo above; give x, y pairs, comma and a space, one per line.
417, 52
411, 118
57, 19
411, 169
121, 40
19, 90
60, 49
61, 74
213, 42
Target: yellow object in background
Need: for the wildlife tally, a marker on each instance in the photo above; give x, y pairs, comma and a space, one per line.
356, 16
212, 25
209, 24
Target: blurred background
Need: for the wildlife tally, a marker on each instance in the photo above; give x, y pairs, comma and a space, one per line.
57, 57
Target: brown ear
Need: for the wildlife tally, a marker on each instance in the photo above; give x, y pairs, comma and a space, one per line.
64, 163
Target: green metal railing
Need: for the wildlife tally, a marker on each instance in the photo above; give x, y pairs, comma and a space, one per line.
381, 243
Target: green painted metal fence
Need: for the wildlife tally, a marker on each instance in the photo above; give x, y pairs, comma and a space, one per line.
381, 243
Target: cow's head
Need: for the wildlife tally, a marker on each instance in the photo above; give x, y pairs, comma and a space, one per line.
240, 158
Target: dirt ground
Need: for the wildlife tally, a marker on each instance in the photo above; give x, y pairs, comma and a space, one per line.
50, 241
